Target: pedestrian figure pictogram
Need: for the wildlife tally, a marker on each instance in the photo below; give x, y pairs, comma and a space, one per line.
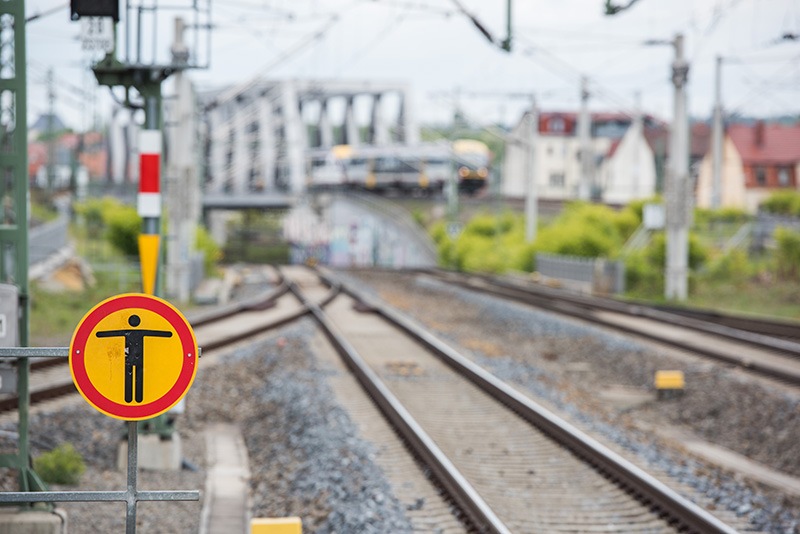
134, 354
109, 349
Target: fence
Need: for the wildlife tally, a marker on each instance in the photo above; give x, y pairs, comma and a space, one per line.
590, 275
132, 496
48, 239
765, 226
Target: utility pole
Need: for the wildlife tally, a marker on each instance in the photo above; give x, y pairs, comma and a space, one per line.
716, 139
531, 199
678, 187
585, 141
133, 72
51, 131
14, 222
638, 129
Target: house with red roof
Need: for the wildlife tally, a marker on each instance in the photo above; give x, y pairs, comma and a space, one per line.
757, 160
623, 162
90, 149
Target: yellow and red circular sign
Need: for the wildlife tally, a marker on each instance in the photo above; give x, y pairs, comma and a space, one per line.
133, 356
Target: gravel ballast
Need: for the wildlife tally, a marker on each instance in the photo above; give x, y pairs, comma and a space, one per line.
307, 459
539, 352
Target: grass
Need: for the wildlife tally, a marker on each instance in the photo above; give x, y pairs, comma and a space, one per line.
771, 298
55, 314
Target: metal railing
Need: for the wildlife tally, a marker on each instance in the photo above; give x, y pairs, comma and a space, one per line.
590, 274
131, 496
765, 225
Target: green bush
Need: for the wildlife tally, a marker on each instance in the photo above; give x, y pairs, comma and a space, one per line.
94, 212
62, 465
706, 217
488, 243
787, 253
577, 238
588, 230
123, 226
783, 203
210, 250
734, 266
644, 269
643, 277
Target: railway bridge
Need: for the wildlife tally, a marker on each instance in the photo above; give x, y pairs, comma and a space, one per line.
254, 137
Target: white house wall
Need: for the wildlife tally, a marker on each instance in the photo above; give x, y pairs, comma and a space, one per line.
734, 193
554, 156
630, 174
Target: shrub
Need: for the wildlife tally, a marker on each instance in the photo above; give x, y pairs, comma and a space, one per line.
644, 270
209, 248
94, 212
787, 253
576, 238
123, 227
483, 225
783, 203
62, 465
734, 266
643, 277
705, 217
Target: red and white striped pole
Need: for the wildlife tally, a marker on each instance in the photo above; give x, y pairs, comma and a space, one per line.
149, 206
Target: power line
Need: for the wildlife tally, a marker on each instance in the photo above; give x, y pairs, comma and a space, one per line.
237, 90
45, 13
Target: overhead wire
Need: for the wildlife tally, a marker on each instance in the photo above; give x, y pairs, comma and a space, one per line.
765, 87
316, 36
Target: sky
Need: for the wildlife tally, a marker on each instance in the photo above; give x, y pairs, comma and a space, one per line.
434, 48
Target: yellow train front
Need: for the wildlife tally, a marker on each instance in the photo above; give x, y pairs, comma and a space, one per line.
472, 159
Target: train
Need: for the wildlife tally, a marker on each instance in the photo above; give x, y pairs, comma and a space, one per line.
425, 167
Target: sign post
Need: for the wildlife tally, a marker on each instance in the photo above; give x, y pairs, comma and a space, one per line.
133, 357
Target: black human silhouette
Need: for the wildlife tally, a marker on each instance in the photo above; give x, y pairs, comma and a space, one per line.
134, 354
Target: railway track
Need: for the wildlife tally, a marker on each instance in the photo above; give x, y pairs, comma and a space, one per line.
765, 348
216, 329
510, 465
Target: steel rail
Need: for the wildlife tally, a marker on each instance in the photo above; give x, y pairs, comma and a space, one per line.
639, 310
556, 302
262, 301
54, 356
650, 490
456, 485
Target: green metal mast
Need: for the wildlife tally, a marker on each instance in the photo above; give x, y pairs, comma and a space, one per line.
14, 210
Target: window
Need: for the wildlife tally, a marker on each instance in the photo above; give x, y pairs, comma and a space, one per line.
783, 176
557, 125
761, 176
557, 180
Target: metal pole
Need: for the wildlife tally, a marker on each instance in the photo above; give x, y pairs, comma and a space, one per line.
51, 132
716, 136
677, 193
507, 43
584, 138
531, 199
133, 453
638, 125
451, 191
150, 223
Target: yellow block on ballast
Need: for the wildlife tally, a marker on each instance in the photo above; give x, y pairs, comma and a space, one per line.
669, 380
276, 525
